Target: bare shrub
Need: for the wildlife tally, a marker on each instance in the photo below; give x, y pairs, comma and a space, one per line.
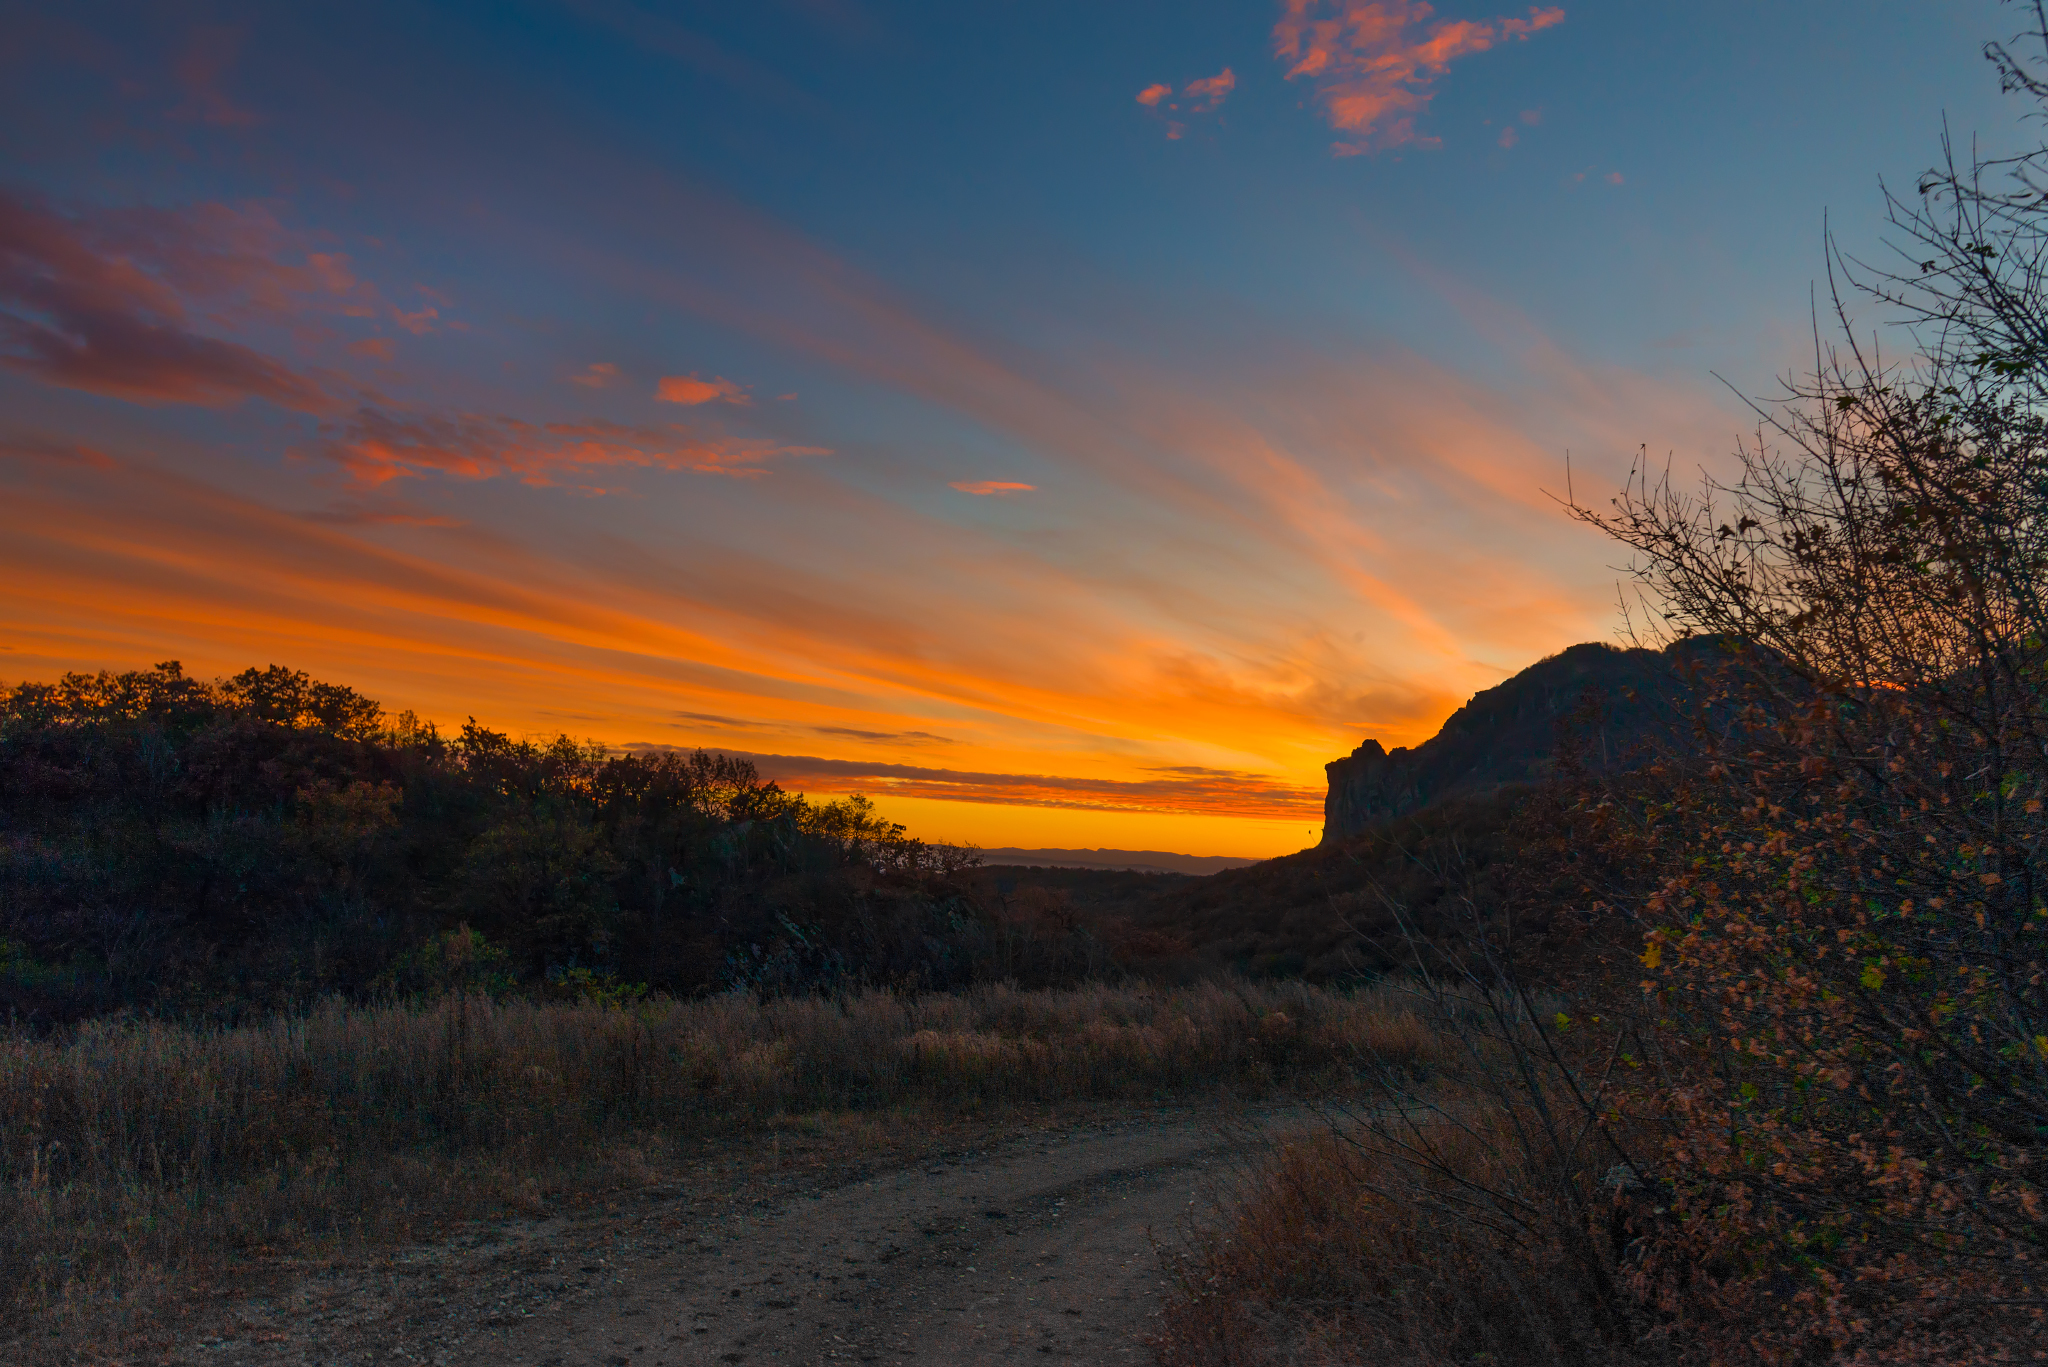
1342, 1250
1843, 958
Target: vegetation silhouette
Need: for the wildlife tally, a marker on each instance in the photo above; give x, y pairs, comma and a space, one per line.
216, 849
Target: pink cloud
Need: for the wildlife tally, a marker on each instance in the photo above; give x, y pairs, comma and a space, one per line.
206, 59
376, 348
331, 269
1615, 178
106, 302
375, 447
418, 323
1532, 117
1209, 92
1509, 137
598, 375
691, 391
998, 488
1201, 97
1374, 62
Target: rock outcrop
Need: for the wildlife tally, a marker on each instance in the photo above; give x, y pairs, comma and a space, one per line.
1614, 699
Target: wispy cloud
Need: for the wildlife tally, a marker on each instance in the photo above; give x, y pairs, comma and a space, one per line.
375, 447
1202, 96
1209, 92
208, 55
702, 54
1375, 62
107, 303
996, 488
1180, 790
597, 375
691, 391
884, 737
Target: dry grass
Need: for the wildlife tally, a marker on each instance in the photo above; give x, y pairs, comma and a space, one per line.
133, 1153
1342, 1251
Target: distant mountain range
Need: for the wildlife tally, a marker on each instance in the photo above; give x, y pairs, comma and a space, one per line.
1508, 734
1139, 861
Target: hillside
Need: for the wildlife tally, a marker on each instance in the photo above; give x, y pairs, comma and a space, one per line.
1610, 699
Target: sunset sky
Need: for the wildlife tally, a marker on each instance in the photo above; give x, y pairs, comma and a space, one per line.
1069, 423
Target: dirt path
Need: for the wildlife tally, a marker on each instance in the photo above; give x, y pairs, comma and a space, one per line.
1039, 1249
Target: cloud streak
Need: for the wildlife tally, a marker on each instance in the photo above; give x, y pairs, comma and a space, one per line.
107, 304
1375, 63
1179, 790
992, 488
691, 391
375, 447
1210, 92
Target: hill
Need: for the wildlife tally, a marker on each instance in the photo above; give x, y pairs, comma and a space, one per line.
1612, 699
1133, 861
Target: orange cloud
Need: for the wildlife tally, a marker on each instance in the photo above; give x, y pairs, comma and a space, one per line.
374, 448
1209, 92
1188, 790
1201, 97
1374, 61
598, 375
376, 348
997, 487
688, 389
104, 552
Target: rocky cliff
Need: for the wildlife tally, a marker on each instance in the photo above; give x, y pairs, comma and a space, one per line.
1509, 734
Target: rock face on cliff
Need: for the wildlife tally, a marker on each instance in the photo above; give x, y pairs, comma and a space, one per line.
1508, 734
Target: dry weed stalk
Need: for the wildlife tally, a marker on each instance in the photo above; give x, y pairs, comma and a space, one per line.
137, 1148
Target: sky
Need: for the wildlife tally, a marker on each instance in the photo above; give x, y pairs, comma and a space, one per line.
1071, 424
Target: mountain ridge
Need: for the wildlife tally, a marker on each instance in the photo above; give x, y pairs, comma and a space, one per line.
1508, 734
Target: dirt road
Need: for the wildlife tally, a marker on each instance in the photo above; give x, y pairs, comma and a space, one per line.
1038, 1249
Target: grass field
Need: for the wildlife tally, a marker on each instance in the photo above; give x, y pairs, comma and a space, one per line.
144, 1154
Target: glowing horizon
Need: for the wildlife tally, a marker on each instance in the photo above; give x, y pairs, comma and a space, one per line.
1078, 451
